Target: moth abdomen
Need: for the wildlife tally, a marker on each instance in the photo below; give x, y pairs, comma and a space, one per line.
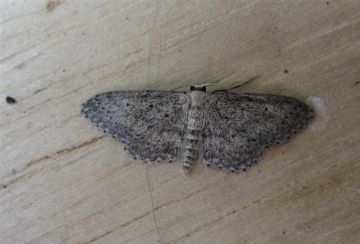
195, 124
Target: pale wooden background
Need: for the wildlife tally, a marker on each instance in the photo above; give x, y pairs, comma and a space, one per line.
62, 181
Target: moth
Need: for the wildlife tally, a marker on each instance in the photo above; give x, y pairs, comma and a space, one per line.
226, 130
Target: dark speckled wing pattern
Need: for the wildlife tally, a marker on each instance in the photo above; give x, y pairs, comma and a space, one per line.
240, 127
151, 124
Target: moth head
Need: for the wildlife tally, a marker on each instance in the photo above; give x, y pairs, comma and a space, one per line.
198, 88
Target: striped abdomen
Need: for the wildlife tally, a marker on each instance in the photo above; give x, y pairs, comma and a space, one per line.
194, 128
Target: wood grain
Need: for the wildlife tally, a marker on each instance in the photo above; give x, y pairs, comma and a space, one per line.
62, 181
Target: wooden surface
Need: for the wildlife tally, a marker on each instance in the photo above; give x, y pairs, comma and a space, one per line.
62, 181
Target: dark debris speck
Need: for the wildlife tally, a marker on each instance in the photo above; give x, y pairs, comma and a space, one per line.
10, 100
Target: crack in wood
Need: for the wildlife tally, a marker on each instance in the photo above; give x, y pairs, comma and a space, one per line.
152, 204
57, 153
